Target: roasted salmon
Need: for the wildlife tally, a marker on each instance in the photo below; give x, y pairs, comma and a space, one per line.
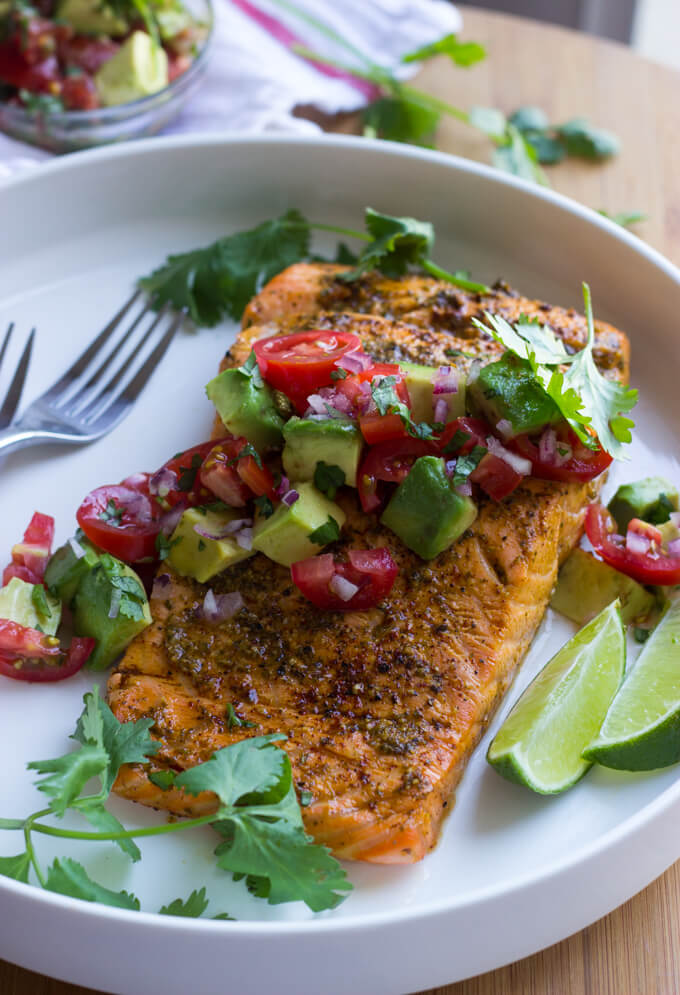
383, 708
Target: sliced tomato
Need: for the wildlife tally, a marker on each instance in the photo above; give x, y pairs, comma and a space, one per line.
496, 477
179, 479
300, 364
29, 655
16, 69
582, 464
377, 428
463, 434
256, 476
372, 571
30, 556
389, 462
219, 473
651, 567
122, 520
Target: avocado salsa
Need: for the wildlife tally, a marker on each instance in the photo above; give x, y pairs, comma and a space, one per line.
85, 54
309, 420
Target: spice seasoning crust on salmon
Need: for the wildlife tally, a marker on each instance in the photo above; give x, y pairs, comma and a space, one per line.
383, 708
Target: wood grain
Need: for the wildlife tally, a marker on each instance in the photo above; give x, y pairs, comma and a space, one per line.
636, 949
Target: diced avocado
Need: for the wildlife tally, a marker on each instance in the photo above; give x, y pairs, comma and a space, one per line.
426, 512
110, 605
585, 586
337, 442
420, 386
247, 408
66, 569
507, 390
284, 536
139, 68
651, 499
669, 532
91, 17
172, 21
198, 556
19, 603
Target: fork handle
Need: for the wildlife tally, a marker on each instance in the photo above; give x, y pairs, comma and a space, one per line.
17, 438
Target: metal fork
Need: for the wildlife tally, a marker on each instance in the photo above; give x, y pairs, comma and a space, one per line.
95, 393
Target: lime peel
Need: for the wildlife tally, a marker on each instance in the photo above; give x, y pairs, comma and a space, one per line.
541, 742
642, 728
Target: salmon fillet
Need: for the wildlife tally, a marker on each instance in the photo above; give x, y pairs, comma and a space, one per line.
382, 709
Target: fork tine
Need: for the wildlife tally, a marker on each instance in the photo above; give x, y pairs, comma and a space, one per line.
109, 395
8, 336
57, 389
13, 397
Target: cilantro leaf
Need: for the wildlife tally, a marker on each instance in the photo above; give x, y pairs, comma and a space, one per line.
384, 394
248, 450
467, 463
624, 218
251, 369
193, 908
328, 532
515, 154
489, 120
163, 545
68, 877
220, 279
68, 775
529, 119
584, 140
187, 476
396, 244
528, 339
462, 53
163, 779
264, 506
252, 767
16, 867
133, 595
234, 721
398, 118
457, 441
40, 602
328, 478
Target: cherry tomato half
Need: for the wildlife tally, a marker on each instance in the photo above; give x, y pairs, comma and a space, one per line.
30, 556
29, 655
373, 571
179, 479
300, 364
121, 520
583, 464
653, 567
390, 462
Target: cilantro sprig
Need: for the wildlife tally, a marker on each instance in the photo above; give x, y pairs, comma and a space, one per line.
258, 820
218, 280
588, 401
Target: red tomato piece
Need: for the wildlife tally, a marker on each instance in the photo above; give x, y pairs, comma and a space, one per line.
256, 476
83, 52
372, 571
121, 520
219, 473
452, 442
180, 479
651, 567
496, 477
30, 556
377, 428
389, 462
583, 464
29, 655
79, 93
300, 364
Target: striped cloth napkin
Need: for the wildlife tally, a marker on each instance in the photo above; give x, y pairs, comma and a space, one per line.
255, 80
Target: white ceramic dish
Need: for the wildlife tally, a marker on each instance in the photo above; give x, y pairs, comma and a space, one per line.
513, 872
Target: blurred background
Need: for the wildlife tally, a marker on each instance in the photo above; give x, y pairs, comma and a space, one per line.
652, 27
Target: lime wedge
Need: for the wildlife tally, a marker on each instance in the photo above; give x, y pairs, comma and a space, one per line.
541, 741
642, 728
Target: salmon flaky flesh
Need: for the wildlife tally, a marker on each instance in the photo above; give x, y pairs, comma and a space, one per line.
383, 708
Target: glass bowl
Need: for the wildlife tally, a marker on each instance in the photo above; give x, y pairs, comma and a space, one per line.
69, 131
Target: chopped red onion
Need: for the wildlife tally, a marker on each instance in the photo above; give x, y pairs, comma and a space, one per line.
441, 410
518, 463
547, 446
341, 403
344, 589
464, 489
674, 547
317, 404
505, 428
229, 529
162, 482
289, 498
136, 480
283, 487
115, 602
636, 543
449, 467
170, 519
445, 381
219, 608
78, 550
244, 538
354, 362
675, 518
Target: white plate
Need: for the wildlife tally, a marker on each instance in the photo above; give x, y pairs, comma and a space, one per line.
513, 872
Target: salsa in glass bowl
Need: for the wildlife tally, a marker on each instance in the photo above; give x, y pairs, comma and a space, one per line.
78, 73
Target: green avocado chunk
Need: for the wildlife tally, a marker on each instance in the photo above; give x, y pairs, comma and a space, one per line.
336, 442
247, 408
426, 512
507, 391
420, 386
651, 499
138, 69
199, 556
91, 17
30, 605
586, 586
66, 569
110, 605
284, 536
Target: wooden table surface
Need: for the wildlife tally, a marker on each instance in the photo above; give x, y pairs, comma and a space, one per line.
636, 949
